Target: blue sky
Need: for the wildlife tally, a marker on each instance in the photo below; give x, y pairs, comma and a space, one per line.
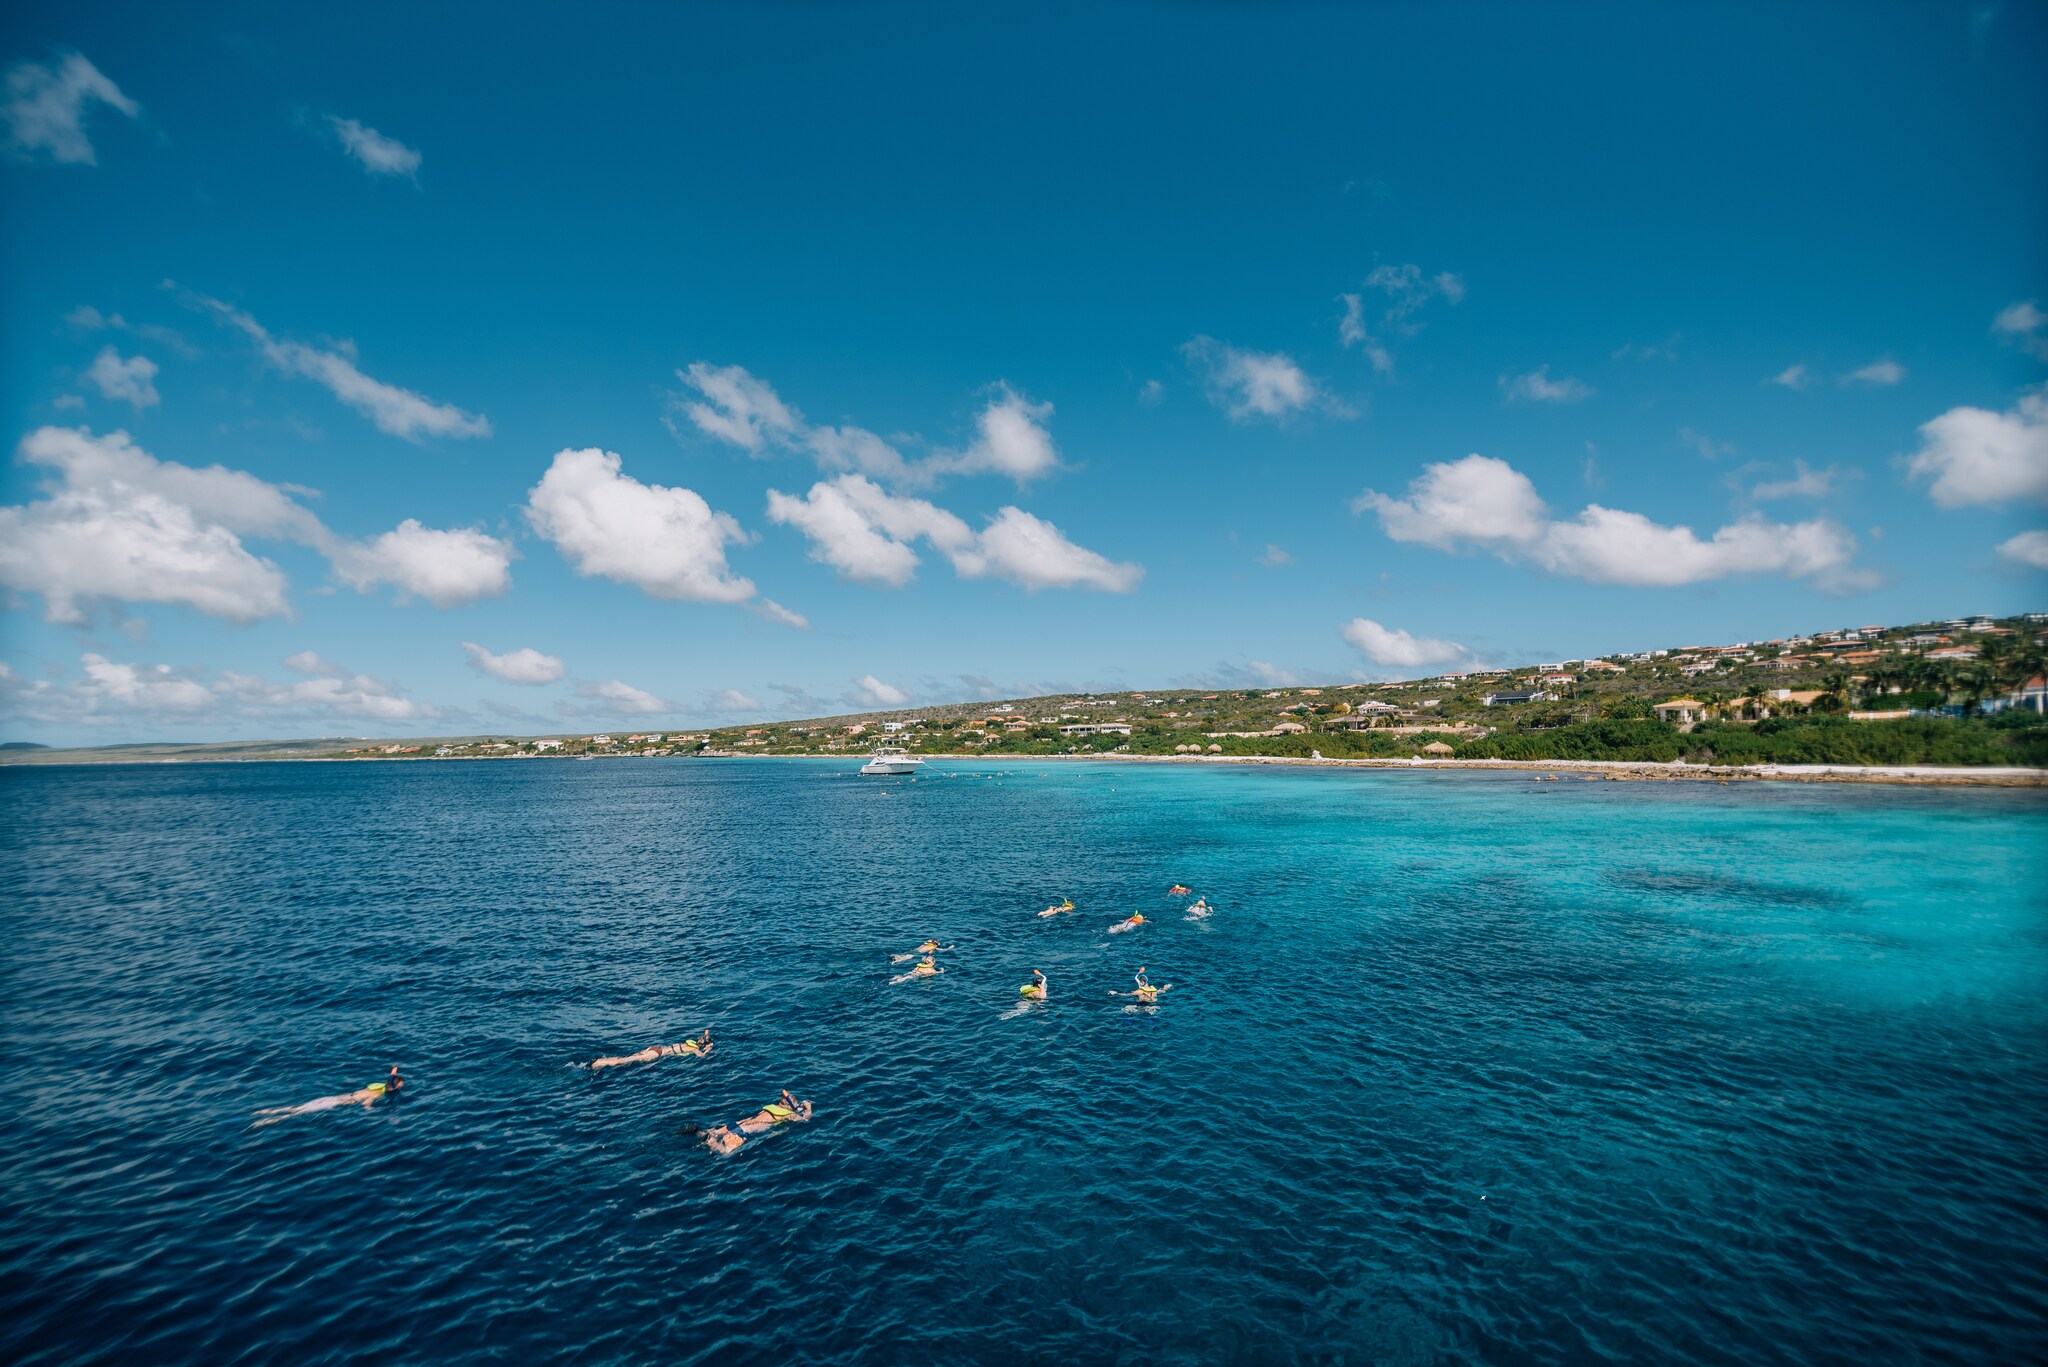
461, 369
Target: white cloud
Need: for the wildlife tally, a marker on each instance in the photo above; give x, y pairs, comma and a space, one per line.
122, 525
1486, 504
1253, 384
1273, 557
1010, 439
525, 666
447, 568
1538, 387
117, 529
1406, 290
737, 407
2028, 548
1033, 553
86, 318
732, 700
1878, 374
1272, 675
1398, 649
1974, 455
870, 691
1151, 392
379, 155
1806, 482
111, 693
45, 108
2024, 325
666, 541
400, 412
734, 406
614, 698
132, 381
863, 531
1792, 377
311, 662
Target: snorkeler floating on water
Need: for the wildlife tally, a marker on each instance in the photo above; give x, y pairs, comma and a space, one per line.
928, 948
387, 1090
695, 1048
1145, 992
1131, 922
1200, 909
726, 1138
1035, 989
1064, 904
923, 968
1180, 890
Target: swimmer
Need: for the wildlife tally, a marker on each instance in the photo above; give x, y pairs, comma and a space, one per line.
1200, 909
1131, 922
928, 948
1180, 890
727, 1138
923, 968
369, 1096
1035, 989
1064, 904
1145, 992
696, 1048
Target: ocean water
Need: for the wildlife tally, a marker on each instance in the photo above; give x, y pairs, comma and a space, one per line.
1463, 1067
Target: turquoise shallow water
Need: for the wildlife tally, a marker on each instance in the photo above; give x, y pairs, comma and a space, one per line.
1463, 1067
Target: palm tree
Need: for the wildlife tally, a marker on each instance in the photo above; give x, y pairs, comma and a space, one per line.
1753, 699
1976, 681
1834, 692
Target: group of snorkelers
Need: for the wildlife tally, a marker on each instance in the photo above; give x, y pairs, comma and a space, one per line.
787, 1110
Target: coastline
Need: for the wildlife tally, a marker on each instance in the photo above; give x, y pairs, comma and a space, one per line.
1590, 770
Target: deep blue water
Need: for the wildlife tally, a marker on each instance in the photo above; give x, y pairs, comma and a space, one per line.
1464, 1067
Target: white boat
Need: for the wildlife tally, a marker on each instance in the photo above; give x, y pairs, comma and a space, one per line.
891, 759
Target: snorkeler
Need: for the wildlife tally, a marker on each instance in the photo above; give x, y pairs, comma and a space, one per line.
1145, 992
726, 1138
368, 1096
928, 948
695, 1048
1035, 989
923, 968
1200, 909
1064, 904
1131, 922
1180, 890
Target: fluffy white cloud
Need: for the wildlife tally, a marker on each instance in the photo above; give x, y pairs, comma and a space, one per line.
1009, 439
109, 693
614, 698
2024, 325
1486, 504
666, 541
46, 106
1878, 374
132, 381
1253, 384
1792, 377
121, 525
734, 406
1398, 649
863, 531
379, 155
400, 412
2028, 548
872, 692
447, 568
1405, 290
1538, 387
1273, 557
1034, 554
525, 665
732, 700
856, 448
1973, 455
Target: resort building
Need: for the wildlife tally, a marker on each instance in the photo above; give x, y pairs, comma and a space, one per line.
1097, 728
1684, 713
1516, 695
